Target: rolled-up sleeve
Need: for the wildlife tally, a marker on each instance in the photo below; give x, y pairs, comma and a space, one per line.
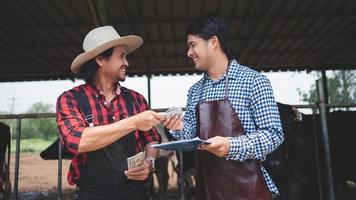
268, 134
70, 122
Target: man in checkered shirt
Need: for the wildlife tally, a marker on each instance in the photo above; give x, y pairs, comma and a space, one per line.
252, 106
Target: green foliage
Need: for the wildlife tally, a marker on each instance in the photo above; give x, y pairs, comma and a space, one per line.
36, 128
341, 88
31, 145
40, 107
45, 128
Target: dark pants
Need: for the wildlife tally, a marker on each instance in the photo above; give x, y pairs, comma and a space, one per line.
132, 191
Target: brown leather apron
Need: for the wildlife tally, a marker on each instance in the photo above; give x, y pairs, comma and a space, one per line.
218, 178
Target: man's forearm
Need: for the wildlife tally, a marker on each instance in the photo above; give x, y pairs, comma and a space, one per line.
97, 137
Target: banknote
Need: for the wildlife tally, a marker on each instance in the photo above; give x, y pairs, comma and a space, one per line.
173, 111
136, 160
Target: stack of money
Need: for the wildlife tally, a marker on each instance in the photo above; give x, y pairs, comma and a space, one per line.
136, 160
173, 111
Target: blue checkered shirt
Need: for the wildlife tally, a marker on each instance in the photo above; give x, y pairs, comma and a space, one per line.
250, 94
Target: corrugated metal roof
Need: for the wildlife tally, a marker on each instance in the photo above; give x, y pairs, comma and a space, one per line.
39, 39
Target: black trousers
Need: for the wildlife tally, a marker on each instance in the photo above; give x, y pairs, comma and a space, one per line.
128, 190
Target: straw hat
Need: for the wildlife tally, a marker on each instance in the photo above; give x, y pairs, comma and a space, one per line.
100, 39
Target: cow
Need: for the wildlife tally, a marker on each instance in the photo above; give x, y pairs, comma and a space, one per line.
5, 185
161, 165
297, 165
292, 165
342, 136
51, 152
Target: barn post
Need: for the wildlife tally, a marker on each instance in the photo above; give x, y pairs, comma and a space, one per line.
59, 187
325, 87
325, 145
17, 159
149, 90
317, 155
181, 177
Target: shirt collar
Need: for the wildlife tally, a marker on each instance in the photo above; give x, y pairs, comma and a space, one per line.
233, 71
96, 90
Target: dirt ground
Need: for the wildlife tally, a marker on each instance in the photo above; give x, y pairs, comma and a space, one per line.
38, 179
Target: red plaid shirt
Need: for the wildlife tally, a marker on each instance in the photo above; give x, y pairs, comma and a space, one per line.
71, 122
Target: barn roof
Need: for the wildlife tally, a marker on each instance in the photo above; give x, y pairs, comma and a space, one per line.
39, 39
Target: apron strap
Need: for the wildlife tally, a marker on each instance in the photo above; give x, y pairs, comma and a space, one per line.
227, 80
83, 104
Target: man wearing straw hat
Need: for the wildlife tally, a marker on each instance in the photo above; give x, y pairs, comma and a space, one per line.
103, 123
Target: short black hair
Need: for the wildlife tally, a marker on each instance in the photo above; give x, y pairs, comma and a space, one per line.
208, 26
88, 71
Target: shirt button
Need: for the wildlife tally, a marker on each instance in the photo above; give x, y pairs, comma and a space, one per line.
97, 96
105, 103
113, 117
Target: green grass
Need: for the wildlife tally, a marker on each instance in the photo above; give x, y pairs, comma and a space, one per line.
31, 145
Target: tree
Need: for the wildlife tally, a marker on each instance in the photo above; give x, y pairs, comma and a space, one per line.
341, 88
40, 107
45, 128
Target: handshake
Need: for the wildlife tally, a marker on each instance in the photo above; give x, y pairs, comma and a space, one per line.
171, 119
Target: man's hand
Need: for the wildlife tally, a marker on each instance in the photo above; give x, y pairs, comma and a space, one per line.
174, 123
219, 146
144, 121
139, 173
